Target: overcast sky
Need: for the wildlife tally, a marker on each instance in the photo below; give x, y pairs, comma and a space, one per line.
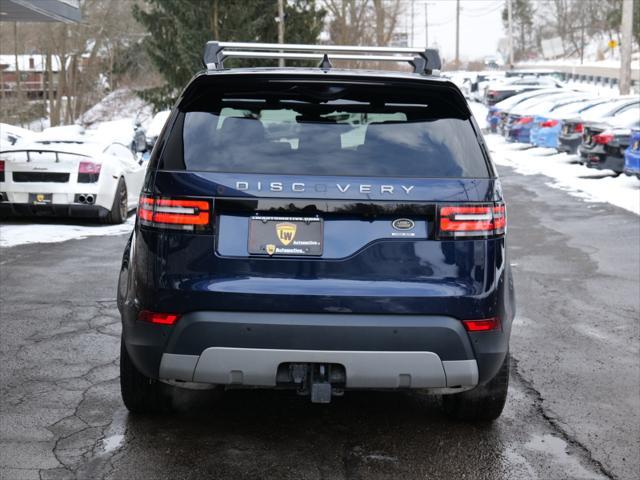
480, 26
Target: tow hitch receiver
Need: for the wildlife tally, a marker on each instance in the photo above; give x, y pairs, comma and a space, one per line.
319, 380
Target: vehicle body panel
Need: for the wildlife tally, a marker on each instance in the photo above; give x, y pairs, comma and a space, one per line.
632, 155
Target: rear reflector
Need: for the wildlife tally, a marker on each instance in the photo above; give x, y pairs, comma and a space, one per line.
184, 214
158, 318
482, 325
472, 220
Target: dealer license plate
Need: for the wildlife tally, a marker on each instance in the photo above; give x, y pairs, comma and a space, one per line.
40, 198
285, 236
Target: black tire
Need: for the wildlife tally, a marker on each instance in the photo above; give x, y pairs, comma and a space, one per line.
482, 404
141, 394
120, 207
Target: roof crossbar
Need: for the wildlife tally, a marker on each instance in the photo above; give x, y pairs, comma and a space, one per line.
424, 61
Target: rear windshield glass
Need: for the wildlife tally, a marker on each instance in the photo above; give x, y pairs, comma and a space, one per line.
341, 137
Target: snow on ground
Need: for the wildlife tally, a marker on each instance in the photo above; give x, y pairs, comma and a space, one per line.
588, 184
12, 234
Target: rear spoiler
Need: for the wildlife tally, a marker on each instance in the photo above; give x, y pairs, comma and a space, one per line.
38, 150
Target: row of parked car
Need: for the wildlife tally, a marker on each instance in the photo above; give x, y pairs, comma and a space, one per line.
603, 131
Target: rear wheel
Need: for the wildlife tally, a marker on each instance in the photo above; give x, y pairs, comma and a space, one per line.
140, 393
483, 403
120, 206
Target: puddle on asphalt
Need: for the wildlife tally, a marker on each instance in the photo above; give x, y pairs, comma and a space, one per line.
555, 447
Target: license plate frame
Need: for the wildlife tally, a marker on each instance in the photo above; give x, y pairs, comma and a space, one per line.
41, 198
276, 236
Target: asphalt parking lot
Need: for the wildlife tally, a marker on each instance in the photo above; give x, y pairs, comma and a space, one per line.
573, 410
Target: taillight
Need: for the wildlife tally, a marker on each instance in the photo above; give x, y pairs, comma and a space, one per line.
549, 123
1, 165
89, 167
603, 138
472, 220
183, 214
524, 120
483, 325
579, 128
158, 318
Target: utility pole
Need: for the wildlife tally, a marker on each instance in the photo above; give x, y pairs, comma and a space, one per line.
625, 48
426, 26
281, 28
510, 16
413, 3
457, 33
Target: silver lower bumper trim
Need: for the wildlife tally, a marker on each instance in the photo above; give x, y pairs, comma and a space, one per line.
364, 369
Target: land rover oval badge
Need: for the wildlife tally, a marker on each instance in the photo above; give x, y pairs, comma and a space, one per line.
403, 224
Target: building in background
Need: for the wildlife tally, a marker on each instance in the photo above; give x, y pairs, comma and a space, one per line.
33, 75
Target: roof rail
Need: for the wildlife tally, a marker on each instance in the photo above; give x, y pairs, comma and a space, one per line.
424, 61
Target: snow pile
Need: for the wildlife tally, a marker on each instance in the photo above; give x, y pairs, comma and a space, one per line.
119, 104
577, 180
24, 233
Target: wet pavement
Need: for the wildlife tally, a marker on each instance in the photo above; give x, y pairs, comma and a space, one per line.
573, 409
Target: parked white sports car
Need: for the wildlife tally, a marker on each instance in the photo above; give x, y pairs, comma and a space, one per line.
70, 175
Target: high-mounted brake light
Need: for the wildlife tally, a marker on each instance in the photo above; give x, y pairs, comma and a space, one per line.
89, 167
603, 138
472, 220
549, 123
158, 318
484, 325
185, 214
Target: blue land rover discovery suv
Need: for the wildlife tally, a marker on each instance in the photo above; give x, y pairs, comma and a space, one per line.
322, 230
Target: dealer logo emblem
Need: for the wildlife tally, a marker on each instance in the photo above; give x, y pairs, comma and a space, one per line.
270, 248
40, 197
286, 232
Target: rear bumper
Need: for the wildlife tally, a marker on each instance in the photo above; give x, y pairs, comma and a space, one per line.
604, 162
74, 211
372, 369
569, 144
377, 351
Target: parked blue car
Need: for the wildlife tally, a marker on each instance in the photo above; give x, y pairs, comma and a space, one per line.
545, 132
547, 128
632, 156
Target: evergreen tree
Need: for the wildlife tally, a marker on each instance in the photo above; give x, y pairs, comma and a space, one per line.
179, 29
